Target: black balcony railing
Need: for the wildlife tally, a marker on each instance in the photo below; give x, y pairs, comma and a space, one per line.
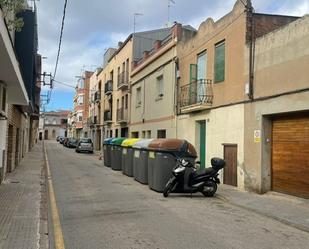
122, 115
197, 92
123, 79
107, 116
108, 89
97, 96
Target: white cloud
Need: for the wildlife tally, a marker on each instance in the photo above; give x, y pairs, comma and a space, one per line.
93, 26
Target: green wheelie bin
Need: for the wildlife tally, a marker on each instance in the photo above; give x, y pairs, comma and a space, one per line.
116, 151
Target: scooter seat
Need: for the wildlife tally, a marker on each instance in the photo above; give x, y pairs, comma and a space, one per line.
207, 171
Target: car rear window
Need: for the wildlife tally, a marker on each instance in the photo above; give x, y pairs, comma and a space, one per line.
85, 140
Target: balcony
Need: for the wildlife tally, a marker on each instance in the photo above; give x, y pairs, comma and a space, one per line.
92, 120
108, 117
196, 96
97, 96
122, 115
108, 89
123, 80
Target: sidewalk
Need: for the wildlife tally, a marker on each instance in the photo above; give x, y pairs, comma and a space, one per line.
287, 209
20, 203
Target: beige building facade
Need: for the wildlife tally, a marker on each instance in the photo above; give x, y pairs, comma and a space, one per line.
215, 84
153, 88
278, 158
116, 79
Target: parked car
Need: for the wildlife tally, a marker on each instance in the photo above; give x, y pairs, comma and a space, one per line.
72, 143
65, 141
84, 145
61, 139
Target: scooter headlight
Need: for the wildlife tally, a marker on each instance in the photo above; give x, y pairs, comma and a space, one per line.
179, 169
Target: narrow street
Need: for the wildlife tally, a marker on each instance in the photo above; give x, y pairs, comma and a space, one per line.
101, 208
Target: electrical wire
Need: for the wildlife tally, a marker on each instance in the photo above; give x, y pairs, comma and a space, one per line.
59, 48
64, 84
60, 38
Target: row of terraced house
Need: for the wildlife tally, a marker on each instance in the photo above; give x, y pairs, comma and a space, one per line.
20, 86
236, 88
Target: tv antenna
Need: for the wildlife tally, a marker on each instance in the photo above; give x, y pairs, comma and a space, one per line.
168, 11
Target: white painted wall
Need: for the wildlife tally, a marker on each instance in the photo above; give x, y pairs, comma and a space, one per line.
223, 125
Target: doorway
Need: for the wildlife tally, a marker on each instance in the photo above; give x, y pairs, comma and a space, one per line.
46, 134
202, 142
230, 169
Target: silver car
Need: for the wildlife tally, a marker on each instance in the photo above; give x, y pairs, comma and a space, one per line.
84, 145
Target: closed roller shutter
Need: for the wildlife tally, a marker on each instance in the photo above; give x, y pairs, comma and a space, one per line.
290, 155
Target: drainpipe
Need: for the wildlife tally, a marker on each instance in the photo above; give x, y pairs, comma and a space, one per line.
176, 68
249, 10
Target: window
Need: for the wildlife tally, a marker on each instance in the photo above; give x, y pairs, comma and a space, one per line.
81, 84
148, 134
80, 99
111, 133
2, 97
116, 135
143, 134
138, 97
80, 118
161, 134
134, 134
220, 62
160, 87
126, 102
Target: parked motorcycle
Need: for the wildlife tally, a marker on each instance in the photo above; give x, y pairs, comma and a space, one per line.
186, 179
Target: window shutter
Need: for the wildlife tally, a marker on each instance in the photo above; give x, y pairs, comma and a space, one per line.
220, 62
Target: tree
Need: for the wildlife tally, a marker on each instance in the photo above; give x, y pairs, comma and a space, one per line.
10, 10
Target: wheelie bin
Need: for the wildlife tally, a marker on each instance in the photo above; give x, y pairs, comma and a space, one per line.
162, 161
127, 156
116, 151
107, 151
140, 160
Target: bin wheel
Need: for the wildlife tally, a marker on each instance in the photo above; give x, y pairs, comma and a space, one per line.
169, 186
209, 188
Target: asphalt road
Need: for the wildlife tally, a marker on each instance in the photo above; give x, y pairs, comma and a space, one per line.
101, 208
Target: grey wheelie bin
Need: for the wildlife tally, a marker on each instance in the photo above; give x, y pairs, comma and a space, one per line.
107, 151
162, 161
116, 151
127, 156
140, 160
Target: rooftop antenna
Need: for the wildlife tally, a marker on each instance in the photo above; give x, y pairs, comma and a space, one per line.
168, 11
135, 15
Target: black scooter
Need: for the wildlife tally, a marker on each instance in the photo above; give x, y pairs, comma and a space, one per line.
186, 179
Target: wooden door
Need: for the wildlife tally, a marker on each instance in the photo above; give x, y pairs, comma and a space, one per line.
290, 155
230, 169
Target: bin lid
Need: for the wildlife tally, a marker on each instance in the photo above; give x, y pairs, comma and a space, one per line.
108, 140
129, 142
181, 146
142, 144
117, 141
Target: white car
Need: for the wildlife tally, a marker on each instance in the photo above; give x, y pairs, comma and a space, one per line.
84, 145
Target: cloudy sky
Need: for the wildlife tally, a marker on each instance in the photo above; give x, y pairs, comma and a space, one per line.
94, 25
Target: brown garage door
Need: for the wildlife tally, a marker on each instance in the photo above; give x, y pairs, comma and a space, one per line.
290, 155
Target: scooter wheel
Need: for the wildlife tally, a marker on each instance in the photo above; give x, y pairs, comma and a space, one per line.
169, 186
210, 188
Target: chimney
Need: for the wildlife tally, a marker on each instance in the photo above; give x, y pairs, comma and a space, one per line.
157, 44
120, 44
177, 30
145, 54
